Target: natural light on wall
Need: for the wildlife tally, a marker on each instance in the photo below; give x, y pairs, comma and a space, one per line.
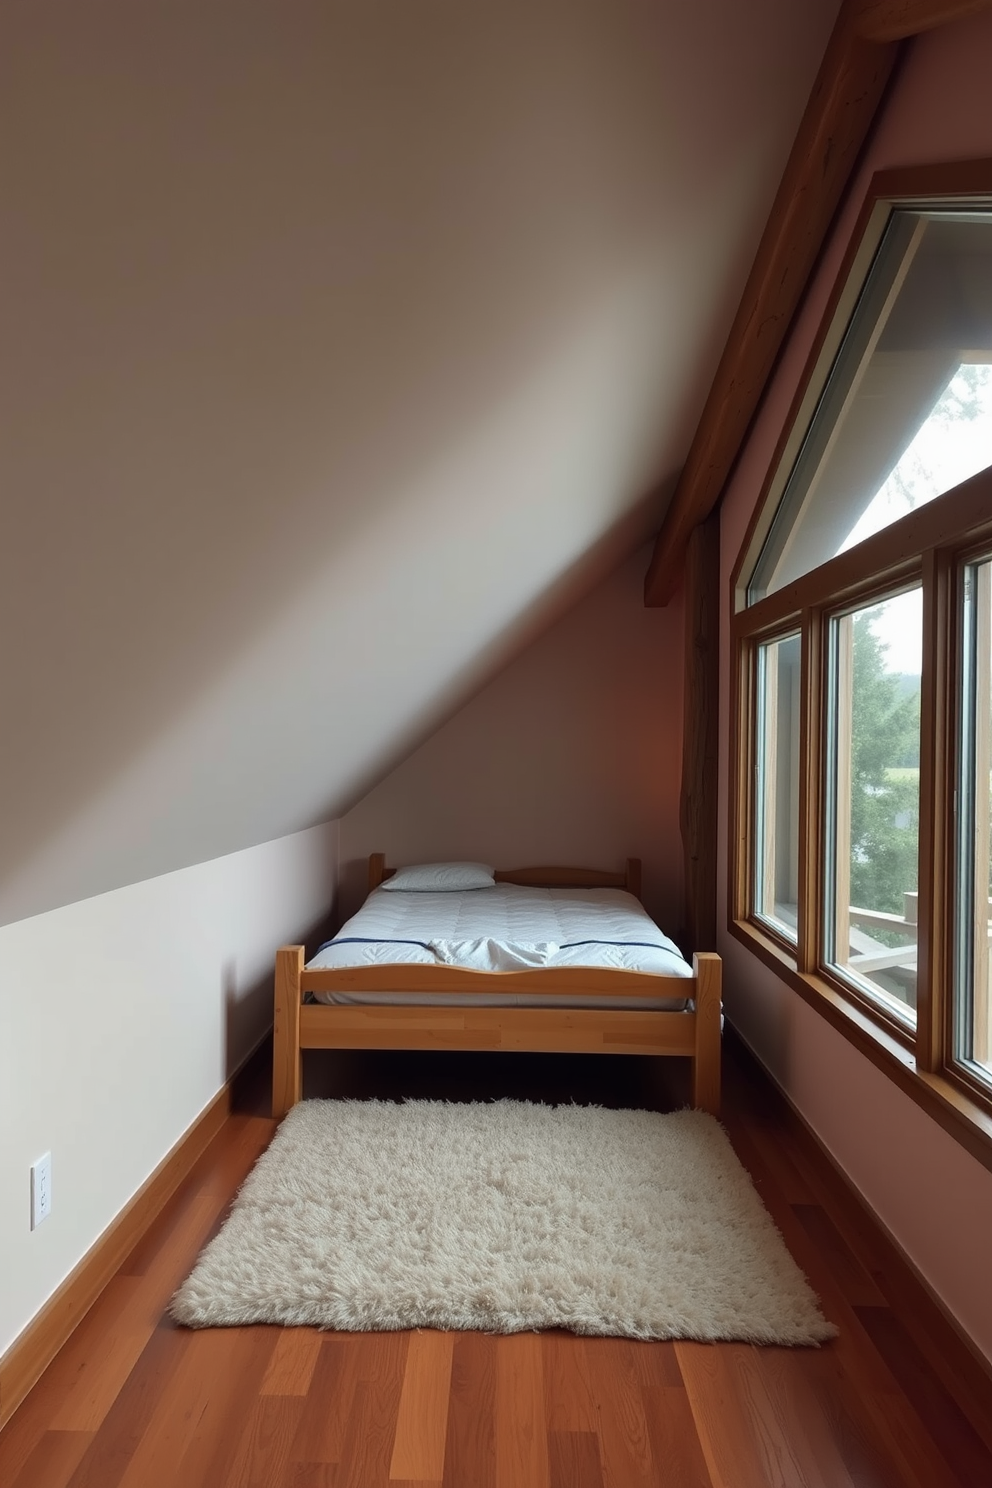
905, 413
953, 444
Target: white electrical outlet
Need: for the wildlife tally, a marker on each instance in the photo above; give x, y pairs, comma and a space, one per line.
41, 1190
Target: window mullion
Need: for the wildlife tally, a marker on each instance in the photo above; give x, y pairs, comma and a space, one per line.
811, 725
934, 942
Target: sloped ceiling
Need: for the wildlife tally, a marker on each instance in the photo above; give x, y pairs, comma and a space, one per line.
344, 345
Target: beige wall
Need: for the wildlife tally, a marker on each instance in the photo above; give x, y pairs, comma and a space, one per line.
571, 755
935, 1199
120, 1018
342, 341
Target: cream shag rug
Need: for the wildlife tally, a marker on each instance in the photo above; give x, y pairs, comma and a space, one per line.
368, 1215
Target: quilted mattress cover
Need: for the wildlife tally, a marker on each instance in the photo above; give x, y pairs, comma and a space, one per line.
504, 928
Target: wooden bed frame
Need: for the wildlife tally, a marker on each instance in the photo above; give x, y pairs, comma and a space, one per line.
694, 1034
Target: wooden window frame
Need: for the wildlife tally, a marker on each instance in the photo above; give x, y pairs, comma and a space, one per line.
929, 547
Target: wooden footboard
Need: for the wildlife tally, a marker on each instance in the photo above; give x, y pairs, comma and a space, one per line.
694, 1034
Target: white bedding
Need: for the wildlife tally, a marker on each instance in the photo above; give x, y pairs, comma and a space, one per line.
504, 928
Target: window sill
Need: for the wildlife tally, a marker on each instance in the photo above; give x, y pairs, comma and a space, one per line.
963, 1116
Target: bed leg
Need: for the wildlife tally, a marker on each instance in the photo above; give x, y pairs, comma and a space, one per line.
287, 1061
706, 1064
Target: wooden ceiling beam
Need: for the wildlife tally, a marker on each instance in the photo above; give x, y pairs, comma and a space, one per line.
894, 20
860, 56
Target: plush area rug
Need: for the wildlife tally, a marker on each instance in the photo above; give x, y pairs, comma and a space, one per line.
504, 1216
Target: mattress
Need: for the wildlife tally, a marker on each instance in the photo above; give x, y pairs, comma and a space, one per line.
503, 928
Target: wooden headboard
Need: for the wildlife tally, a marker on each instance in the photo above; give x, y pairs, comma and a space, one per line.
541, 878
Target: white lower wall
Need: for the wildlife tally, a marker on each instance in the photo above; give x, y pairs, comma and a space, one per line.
120, 1019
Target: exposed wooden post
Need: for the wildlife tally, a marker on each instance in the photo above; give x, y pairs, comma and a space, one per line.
377, 868
706, 1065
633, 877
287, 1061
700, 759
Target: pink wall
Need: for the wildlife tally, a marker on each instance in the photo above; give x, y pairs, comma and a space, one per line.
571, 755
939, 110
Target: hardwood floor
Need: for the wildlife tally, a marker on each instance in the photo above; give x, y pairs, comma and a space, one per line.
133, 1401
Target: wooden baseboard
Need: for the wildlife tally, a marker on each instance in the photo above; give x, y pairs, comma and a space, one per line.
946, 1342
32, 1351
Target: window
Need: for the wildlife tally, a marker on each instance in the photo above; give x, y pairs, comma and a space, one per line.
973, 1021
862, 841
872, 799
776, 814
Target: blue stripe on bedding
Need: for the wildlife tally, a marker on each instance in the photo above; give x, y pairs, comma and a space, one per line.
369, 940
569, 945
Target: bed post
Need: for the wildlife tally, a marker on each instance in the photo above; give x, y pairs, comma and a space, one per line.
633, 877
706, 1063
287, 1062
377, 865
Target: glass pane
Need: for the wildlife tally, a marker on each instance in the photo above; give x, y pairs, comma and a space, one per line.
873, 799
776, 838
973, 1012
906, 412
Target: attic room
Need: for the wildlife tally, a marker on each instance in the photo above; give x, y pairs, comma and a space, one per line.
400, 401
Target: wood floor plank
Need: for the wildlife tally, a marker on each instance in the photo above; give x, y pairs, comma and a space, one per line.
961, 1446
570, 1404
224, 1166
574, 1460
309, 1475
53, 1460
422, 1417
205, 1392
858, 1286
368, 1442
847, 1421
675, 1447
293, 1362
521, 1431
749, 1437
234, 1361
103, 1371
83, 1382
885, 1413
108, 1456
779, 1158
24, 1430
328, 1402
470, 1444
218, 1173
625, 1442
656, 1363
262, 1454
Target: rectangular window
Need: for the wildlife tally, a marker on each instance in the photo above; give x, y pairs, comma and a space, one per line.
873, 798
973, 1006
776, 804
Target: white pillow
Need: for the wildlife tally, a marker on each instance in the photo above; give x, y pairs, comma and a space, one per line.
423, 878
